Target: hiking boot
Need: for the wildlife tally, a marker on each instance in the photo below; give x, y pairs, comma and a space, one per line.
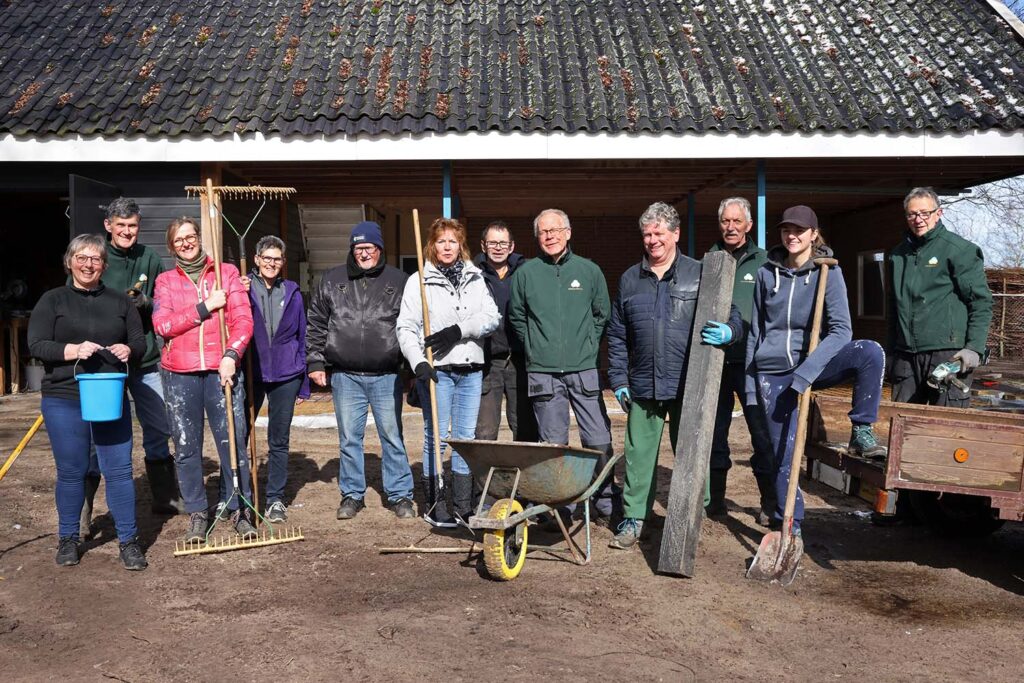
769, 500
350, 507
197, 522
402, 507
629, 533
717, 507
132, 557
163, 484
863, 442
67, 551
219, 513
276, 512
243, 524
92, 482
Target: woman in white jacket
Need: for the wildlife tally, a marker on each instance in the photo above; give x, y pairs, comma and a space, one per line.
462, 313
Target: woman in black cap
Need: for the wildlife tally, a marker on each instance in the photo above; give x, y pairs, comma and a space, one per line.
779, 367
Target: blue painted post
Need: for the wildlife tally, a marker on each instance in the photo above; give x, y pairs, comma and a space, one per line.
691, 227
446, 202
762, 204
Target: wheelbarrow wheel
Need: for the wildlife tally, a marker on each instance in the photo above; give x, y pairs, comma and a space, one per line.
505, 549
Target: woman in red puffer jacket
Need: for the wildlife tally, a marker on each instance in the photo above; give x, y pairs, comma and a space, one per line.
195, 370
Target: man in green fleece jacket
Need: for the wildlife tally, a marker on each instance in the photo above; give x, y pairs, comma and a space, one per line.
559, 307
940, 306
735, 223
132, 268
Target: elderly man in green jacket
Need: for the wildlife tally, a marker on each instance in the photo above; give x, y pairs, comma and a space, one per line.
940, 305
559, 307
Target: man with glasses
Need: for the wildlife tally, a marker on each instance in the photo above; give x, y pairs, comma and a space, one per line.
132, 268
504, 364
735, 223
940, 306
351, 334
559, 308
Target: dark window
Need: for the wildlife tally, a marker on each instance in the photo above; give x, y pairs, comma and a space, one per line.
871, 284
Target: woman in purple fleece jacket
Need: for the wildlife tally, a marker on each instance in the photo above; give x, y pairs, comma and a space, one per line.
279, 361
779, 368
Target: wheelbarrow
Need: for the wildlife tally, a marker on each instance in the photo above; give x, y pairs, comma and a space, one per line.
547, 475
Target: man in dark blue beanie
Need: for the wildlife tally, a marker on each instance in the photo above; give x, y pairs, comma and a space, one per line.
361, 352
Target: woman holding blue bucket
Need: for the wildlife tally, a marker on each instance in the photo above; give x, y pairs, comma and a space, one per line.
84, 328
196, 370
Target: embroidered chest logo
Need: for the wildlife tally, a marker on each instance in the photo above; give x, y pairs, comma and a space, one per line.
932, 262
748, 278
389, 290
575, 286
342, 287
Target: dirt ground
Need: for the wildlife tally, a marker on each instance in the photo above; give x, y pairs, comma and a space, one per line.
870, 603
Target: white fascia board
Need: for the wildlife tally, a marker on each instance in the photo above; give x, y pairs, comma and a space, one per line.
494, 145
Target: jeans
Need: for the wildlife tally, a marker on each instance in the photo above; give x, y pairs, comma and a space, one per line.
353, 395
147, 393
71, 438
505, 378
860, 360
281, 397
761, 461
188, 395
458, 405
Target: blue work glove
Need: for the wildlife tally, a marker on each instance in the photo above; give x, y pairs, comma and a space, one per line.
715, 333
624, 399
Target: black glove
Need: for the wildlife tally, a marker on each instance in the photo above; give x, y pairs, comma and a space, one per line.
141, 301
443, 341
425, 372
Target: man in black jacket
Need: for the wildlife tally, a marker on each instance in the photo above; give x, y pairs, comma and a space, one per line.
505, 365
351, 333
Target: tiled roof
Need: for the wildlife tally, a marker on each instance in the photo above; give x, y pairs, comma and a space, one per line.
309, 67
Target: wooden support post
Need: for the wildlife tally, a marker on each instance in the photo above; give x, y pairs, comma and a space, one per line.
697, 421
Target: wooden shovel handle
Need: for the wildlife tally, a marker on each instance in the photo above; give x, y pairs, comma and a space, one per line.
805, 399
438, 472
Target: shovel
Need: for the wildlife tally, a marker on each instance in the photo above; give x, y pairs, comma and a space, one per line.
779, 554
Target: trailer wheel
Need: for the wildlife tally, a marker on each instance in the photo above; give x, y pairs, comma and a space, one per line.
955, 515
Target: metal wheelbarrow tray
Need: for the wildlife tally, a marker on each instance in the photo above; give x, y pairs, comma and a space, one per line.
548, 476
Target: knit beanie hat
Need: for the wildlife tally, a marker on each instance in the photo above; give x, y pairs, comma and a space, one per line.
366, 232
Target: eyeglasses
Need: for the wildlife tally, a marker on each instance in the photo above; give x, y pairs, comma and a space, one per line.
497, 245
366, 250
185, 239
82, 259
920, 215
550, 233
273, 260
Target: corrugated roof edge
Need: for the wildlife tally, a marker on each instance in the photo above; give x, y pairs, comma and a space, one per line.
1009, 17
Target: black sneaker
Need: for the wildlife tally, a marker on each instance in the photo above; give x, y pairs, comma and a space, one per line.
402, 508
67, 551
132, 557
276, 512
243, 525
197, 522
350, 507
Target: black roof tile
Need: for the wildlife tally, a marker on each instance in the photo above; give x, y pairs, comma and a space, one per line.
371, 66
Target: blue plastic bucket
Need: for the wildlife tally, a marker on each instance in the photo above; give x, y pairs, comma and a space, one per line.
102, 395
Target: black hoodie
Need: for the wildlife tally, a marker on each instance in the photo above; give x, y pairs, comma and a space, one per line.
503, 340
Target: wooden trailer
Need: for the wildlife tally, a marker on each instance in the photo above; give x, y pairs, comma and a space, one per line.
961, 469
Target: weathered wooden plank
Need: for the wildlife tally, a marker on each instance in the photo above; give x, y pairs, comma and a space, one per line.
965, 432
697, 421
975, 479
934, 450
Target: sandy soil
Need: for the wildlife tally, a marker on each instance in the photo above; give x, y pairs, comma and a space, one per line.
892, 604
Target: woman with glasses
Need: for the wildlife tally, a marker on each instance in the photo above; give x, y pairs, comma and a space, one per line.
85, 327
279, 361
185, 306
462, 313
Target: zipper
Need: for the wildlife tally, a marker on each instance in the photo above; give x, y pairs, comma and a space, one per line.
789, 324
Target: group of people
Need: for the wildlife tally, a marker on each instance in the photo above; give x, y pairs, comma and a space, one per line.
503, 329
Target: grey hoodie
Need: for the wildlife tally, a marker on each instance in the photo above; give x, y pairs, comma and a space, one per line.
781, 320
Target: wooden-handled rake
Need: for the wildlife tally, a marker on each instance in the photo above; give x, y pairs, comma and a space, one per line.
212, 227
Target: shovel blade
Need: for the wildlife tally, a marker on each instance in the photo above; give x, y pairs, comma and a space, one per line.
777, 558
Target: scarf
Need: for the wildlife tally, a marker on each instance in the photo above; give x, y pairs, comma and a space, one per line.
193, 268
453, 273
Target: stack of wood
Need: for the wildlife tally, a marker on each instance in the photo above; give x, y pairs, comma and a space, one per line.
1006, 334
